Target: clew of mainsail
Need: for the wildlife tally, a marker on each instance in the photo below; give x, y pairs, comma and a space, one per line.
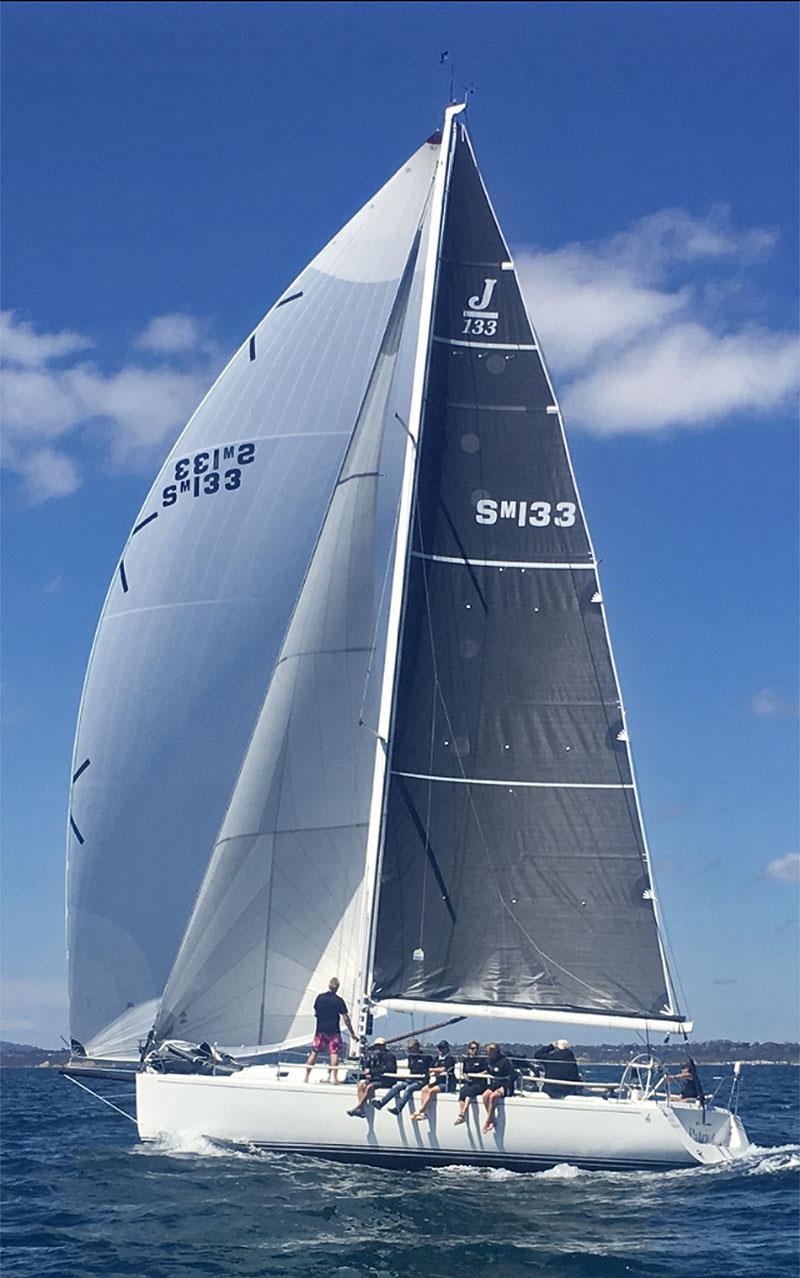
198, 609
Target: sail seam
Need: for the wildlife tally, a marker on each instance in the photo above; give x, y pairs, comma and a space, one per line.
359, 474
490, 408
496, 563
487, 346
294, 829
539, 785
319, 652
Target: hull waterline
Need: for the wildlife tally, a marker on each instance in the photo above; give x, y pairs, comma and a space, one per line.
533, 1132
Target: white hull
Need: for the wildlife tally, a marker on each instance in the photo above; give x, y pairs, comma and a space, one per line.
533, 1132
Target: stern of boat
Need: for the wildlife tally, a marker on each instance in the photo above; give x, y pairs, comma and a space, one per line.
712, 1136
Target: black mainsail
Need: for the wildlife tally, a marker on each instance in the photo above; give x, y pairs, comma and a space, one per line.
514, 873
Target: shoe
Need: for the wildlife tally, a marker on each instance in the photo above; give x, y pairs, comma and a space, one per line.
394, 1110
459, 1120
417, 1118
356, 1113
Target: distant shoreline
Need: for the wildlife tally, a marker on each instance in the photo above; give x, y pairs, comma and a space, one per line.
713, 1054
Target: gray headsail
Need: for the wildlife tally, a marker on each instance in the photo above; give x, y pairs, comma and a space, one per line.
198, 609
514, 869
281, 907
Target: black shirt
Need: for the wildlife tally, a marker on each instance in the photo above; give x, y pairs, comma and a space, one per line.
560, 1063
380, 1062
444, 1068
474, 1064
419, 1064
328, 1008
502, 1073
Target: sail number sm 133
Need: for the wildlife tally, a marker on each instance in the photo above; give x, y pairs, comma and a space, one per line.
211, 471
536, 514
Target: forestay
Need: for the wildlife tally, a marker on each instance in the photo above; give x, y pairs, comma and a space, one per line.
514, 869
198, 609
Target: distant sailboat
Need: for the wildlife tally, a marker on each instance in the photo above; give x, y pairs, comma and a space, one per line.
352, 708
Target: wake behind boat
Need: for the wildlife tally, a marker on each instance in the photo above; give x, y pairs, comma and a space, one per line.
352, 707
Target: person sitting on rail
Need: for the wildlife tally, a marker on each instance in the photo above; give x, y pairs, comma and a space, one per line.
377, 1063
419, 1067
501, 1083
472, 1087
443, 1078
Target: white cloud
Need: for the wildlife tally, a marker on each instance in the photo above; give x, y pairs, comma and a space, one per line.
142, 406
686, 376
170, 334
768, 705
21, 344
635, 326
49, 407
785, 869
47, 473
583, 303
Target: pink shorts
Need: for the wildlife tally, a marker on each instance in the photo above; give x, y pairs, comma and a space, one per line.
331, 1043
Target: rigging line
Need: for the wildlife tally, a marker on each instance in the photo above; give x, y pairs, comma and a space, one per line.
462, 548
432, 738
430, 855
378, 615
428, 849
279, 779
97, 1096
401, 320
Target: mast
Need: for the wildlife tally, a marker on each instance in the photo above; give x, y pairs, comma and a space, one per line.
402, 548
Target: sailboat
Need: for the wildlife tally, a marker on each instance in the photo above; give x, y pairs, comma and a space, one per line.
351, 709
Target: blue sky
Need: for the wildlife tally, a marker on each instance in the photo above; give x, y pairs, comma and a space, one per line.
170, 167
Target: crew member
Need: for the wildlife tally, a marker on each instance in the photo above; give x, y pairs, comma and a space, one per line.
442, 1078
419, 1067
501, 1083
691, 1087
472, 1087
378, 1062
560, 1069
328, 1007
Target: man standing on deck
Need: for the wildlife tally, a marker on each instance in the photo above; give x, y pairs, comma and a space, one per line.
560, 1069
328, 1007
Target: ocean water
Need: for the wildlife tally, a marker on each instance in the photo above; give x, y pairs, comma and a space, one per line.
82, 1197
